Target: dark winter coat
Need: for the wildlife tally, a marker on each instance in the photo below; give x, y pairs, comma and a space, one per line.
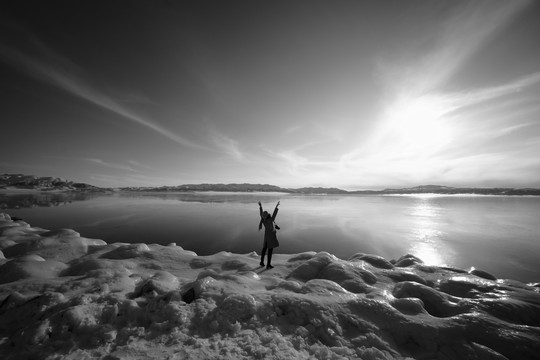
270, 234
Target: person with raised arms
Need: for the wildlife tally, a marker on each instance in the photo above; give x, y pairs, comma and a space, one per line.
270, 234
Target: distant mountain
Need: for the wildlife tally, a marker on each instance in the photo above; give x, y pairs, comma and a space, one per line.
212, 187
423, 189
239, 188
446, 190
31, 182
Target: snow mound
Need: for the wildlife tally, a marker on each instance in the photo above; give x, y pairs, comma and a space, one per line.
26, 267
375, 260
64, 296
127, 251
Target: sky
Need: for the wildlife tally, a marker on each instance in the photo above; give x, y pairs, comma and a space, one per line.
336, 93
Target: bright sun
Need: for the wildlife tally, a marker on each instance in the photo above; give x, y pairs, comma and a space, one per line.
418, 124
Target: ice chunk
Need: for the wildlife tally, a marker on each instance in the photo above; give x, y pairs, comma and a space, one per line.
466, 286
57, 247
409, 306
302, 256
482, 274
399, 275
5, 243
61, 233
127, 251
235, 264
323, 287
161, 282
5, 217
436, 303
238, 307
311, 269
375, 260
28, 267
407, 260
198, 263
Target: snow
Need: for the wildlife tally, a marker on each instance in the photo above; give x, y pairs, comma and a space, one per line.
66, 296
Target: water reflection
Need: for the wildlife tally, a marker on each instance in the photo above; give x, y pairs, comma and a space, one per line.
455, 231
427, 242
41, 199
208, 197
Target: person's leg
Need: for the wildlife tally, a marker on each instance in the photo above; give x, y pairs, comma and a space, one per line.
269, 266
263, 253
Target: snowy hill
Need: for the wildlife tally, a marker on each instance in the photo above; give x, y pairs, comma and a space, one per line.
31, 182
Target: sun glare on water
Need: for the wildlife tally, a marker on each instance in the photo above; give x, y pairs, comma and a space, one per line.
427, 237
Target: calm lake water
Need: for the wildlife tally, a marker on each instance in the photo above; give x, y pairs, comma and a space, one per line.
497, 234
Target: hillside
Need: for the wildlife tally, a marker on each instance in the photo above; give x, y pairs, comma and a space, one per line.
31, 182
35, 183
239, 188
424, 189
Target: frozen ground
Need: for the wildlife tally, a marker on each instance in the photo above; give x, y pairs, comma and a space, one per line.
66, 296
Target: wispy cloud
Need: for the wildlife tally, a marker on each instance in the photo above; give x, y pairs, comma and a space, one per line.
52, 68
111, 165
227, 145
461, 36
469, 98
140, 165
130, 165
128, 180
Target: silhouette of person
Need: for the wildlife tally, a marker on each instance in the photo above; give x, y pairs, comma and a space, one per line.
270, 236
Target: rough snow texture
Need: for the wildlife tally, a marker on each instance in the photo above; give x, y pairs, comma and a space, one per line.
65, 296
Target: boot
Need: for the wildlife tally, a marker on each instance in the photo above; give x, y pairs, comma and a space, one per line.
262, 257
269, 266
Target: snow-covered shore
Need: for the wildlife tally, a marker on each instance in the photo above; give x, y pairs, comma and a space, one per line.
66, 296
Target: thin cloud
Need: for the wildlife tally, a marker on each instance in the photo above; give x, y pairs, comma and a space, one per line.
461, 36
140, 165
111, 165
469, 98
58, 71
227, 145
128, 180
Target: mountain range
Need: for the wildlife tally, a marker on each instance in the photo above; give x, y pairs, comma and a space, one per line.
31, 182
424, 189
44, 183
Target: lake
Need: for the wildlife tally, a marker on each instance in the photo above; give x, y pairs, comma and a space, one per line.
498, 234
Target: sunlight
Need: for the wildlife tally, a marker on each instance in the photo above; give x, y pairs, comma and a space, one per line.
428, 253
418, 124
411, 135
427, 244
408, 144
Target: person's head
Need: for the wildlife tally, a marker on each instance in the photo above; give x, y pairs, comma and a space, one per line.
266, 215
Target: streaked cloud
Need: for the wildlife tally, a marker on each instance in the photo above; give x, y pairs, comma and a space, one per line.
60, 72
111, 165
226, 145
463, 34
132, 179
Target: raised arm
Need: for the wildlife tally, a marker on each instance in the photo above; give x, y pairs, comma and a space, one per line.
260, 213
275, 211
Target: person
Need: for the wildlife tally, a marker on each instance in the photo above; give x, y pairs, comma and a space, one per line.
270, 236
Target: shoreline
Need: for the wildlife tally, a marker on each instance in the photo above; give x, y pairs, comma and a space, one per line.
22, 191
